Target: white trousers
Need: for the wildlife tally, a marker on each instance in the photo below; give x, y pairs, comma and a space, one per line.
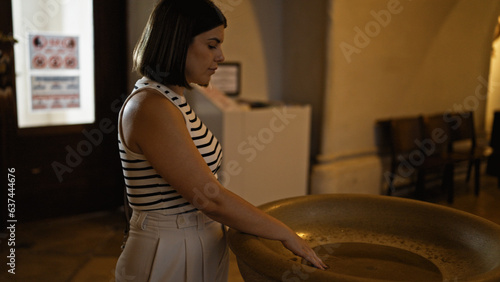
187, 247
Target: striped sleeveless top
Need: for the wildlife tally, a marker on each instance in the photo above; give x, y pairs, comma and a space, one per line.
146, 189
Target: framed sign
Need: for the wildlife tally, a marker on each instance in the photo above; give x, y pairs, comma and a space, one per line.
54, 52
54, 63
227, 78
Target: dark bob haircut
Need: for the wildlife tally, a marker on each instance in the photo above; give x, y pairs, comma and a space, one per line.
160, 53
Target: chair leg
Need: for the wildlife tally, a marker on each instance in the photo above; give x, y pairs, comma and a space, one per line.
420, 185
469, 170
390, 188
449, 183
390, 180
477, 170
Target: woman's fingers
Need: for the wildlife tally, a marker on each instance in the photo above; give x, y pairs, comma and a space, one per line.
315, 260
300, 247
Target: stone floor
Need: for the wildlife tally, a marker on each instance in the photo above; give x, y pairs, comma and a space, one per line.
86, 247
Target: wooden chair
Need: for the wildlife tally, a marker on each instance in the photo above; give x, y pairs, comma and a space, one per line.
413, 155
437, 136
463, 145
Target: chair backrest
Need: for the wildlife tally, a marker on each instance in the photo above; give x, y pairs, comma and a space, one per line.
462, 128
437, 132
382, 133
404, 134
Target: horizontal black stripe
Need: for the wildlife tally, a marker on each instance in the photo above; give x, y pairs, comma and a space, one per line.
150, 194
142, 177
207, 144
137, 168
157, 202
176, 206
202, 136
216, 170
212, 152
132, 161
216, 160
155, 185
197, 128
194, 120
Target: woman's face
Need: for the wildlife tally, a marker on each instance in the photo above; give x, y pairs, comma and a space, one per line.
204, 55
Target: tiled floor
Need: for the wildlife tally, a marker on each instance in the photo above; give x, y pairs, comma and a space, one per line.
85, 247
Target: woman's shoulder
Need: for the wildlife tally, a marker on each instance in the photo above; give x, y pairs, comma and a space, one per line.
147, 113
150, 103
147, 94
147, 99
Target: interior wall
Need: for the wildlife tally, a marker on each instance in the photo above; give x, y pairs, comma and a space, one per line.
137, 15
304, 56
253, 38
389, 58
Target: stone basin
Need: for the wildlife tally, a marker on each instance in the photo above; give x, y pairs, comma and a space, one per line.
373, 238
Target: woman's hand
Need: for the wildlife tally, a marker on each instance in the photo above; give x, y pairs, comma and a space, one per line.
300, 247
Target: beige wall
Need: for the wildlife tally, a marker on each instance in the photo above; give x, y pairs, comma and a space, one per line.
304, 51
253, 38
138, 13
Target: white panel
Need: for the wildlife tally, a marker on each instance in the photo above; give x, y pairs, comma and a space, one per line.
266, 150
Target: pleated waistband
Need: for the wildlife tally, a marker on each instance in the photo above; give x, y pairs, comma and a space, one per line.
185, 220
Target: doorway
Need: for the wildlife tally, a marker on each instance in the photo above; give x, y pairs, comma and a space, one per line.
72, 168
493, 102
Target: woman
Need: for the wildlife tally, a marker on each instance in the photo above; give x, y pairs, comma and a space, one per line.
170, 159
